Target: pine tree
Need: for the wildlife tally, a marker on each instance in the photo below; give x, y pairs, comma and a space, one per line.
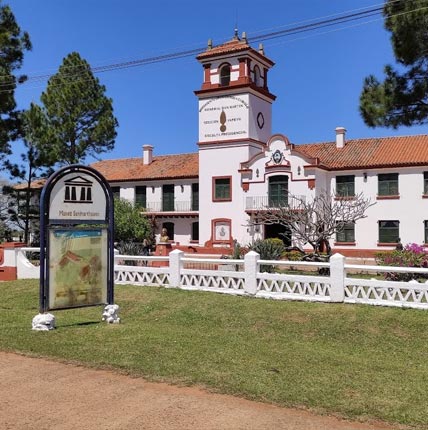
402, 97
13, 43
78, 114
36, 163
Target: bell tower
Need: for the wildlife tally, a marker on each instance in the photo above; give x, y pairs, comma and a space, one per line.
235, 123
234, 102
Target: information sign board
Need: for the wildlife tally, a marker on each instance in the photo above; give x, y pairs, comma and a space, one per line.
76, 236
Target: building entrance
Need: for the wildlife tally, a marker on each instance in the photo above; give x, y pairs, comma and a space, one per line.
278, 231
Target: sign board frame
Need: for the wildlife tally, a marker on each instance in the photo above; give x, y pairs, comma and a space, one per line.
76, 240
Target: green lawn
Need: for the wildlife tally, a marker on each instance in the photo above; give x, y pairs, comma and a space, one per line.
353, 360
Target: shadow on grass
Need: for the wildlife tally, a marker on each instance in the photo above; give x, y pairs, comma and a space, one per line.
78, 324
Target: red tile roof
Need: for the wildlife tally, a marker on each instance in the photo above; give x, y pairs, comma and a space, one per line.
233, 45
400, 151
370, 153
37, 184
162, 167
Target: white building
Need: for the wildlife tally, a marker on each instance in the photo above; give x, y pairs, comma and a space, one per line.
208, 198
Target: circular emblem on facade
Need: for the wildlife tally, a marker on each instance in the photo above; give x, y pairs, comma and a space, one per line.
260, 120
277, 157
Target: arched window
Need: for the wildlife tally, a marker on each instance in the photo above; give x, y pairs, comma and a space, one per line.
257, 76
225, 75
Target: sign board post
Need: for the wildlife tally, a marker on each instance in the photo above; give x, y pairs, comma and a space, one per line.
76, 241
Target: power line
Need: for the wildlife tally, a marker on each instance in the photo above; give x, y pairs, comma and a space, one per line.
319, 24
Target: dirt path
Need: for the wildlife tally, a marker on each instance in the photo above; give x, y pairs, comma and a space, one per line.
41, 394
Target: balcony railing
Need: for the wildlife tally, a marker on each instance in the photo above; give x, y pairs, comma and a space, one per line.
178, 206
260, 203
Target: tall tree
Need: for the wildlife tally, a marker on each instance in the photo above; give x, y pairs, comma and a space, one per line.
402, 97
36, 161
79, 115
13, 43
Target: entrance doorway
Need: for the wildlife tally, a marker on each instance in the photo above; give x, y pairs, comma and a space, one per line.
278, 231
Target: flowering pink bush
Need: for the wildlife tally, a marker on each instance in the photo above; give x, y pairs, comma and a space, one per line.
413, 255
415, 248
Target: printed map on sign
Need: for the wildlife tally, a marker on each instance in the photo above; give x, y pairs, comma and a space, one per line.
78, 261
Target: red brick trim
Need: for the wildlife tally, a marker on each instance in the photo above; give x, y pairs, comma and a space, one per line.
344, 198
8, 273
243, 66
231, 141
356, 253
213, 241
394, 197
207, 76
233, 50
345, 244
394, 244
235, 85
425, 196
214, 199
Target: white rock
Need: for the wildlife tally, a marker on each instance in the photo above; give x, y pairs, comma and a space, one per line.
111, 314
43, 322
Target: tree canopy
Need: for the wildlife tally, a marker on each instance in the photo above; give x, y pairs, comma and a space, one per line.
129, 224
79, 116
13, 43
402, 97
36, 161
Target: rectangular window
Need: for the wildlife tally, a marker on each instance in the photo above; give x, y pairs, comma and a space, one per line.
222, 189
195, 197
389, 231
347, 234
141, 196
278, 191
425, 231
425, 183
345, 186
388, 184
116, 192
168, 198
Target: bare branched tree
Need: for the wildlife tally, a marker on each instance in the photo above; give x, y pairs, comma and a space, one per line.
315, 221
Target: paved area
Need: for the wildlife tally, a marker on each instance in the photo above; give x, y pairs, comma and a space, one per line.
42, 394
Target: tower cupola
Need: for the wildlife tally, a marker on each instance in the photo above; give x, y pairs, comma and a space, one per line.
235, 63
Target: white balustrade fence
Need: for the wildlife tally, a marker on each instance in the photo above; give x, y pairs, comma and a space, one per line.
140, 274
243, 277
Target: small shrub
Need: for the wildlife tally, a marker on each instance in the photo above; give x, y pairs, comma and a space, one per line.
292, 256
130, 248
269, 249
413, 255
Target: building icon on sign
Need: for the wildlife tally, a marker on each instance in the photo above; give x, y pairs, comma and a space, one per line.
78, 190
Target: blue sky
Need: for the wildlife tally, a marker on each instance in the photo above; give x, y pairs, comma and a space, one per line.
317, 77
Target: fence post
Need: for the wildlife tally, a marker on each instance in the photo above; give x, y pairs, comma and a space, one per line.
250, 272
337, 278
8, 260
175, 266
